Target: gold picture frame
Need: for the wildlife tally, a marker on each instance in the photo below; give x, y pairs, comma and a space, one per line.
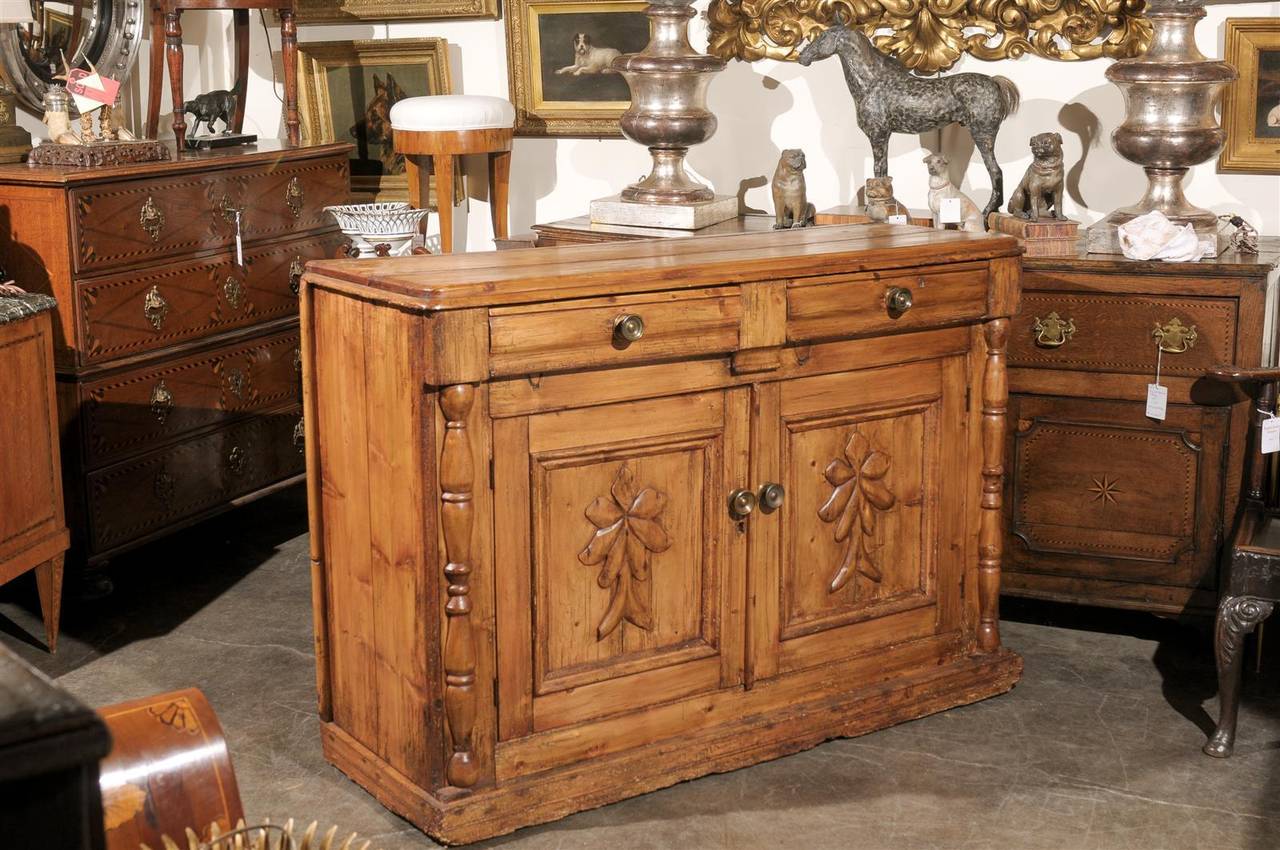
350, 11
550, 100
334, 76
931, 35
1251, 105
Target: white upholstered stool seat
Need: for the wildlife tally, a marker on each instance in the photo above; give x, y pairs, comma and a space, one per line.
452, 112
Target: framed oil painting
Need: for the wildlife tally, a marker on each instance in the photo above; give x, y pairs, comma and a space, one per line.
350, 11
1251, 107
560, 53
345, 94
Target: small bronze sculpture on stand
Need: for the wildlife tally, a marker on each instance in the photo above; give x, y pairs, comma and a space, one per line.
1035, 214
791, 207
208, 108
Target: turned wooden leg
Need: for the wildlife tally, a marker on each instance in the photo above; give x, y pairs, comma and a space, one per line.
289, 58
499, 191
443, 164
173, 51
155, 74
995, 402
241, 27
1237, 616
49, 587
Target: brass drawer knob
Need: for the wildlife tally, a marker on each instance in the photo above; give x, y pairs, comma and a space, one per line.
151, 219
898, 300
233, 291
154, 307
1053, 331
236, 460
628, 328
1173, 337
161, 401
771, 496
294, 196
742, 503
295, 275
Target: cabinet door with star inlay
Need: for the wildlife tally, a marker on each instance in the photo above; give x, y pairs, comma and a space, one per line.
630, 582
868, 548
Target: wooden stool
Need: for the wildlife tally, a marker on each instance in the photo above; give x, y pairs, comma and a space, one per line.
166, 36
431, 131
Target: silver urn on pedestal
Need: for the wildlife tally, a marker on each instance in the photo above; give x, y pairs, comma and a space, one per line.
1169, 125
668, 115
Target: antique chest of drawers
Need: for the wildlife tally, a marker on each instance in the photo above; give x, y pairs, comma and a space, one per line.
1108, 506
176, 340
590, 521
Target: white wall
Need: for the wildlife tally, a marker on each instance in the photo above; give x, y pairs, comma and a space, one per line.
763, 108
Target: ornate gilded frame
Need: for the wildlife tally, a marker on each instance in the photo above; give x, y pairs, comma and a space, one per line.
348, 11
534, 116
931, 35
1246, 38
316, 108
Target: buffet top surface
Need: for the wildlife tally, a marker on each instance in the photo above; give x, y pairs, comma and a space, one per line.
459, 281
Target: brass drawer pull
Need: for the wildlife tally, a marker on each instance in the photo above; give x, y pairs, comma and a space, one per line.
741, 503
229, 210
300, 434
1054, 331
154, 307
628, 328
295, 275
898, 300
1173, 337
293, 196
771, 497
233, 290
151, 219
236, 460
237, 381
297, 360
161, 401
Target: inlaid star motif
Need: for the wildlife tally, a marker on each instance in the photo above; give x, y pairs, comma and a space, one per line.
1105, 489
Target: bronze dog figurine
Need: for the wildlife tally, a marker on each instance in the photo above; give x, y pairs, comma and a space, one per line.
791, 207
1041, 188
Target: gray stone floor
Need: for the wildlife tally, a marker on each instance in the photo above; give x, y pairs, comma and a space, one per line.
1098, 747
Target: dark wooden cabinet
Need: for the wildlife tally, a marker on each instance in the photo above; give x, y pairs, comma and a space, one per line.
177, 353
1108, 506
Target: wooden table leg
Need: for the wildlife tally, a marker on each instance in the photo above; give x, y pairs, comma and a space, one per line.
500, 192
443, 164
289, 58
1237, 616
173, 49
241, 27
155, 74
49, 587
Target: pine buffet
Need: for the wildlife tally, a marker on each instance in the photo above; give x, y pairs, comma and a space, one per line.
590, 521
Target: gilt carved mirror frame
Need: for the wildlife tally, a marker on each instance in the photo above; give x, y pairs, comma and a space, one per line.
929, 36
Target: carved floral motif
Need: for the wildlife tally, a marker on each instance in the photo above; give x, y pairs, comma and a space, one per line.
859, 491
931, 35
628, 530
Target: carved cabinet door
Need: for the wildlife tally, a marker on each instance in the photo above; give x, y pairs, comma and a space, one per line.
629, 580
868, 548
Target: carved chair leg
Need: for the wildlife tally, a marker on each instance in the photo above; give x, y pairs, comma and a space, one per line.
1237, 616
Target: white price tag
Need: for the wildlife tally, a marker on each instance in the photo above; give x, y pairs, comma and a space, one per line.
897, 219
1271, 435
950, 212
1157, 401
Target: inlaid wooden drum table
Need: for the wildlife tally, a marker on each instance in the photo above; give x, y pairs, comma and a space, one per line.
590, 521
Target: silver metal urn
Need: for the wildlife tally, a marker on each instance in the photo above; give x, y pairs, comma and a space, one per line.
1169, 124
668, 115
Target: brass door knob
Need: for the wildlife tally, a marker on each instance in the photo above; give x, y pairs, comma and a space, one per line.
898, 300
628, 328
742, 503
772, 496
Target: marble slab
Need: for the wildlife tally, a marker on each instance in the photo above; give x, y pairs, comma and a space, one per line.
14, 308
614, 210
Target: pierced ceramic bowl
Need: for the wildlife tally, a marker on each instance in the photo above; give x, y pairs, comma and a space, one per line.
355, 218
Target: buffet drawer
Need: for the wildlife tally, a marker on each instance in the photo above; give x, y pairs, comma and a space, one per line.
845, 305
582, 334
143, 221
1113, 333
134, 312
154, 404
134, 498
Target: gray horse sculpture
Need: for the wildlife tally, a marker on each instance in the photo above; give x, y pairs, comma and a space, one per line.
890, 99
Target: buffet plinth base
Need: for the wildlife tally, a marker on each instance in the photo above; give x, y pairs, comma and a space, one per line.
540, 581
1048, 238
697, 216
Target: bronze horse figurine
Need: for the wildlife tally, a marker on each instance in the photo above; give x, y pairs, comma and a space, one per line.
890, 99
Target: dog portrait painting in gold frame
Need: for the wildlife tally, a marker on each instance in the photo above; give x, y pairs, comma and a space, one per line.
1251, 105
